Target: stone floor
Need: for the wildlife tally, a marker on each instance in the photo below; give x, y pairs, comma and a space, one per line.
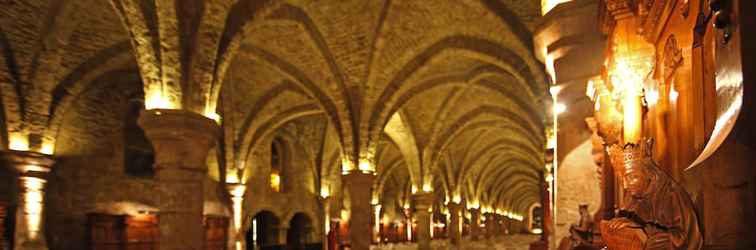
509, 242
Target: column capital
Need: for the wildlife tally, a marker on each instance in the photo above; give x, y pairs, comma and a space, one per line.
181, 138
358, 177
28, 163
423, 200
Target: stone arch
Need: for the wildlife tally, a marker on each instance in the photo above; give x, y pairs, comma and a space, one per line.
305, 83
269, 126
495, 53
263, 229
533, 216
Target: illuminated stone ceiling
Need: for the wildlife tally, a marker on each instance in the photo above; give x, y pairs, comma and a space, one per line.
443, 95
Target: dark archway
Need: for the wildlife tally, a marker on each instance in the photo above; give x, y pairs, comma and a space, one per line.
297, 236
263, 234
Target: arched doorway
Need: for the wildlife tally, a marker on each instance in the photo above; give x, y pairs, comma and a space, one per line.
535, 219
263, 234
297, 236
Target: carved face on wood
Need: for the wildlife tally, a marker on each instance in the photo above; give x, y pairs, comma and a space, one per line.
636, 179
633, 163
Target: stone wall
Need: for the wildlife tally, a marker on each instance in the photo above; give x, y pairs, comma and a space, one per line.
577, 183
90, 175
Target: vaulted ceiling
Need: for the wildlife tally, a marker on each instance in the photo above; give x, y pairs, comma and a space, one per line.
443, 95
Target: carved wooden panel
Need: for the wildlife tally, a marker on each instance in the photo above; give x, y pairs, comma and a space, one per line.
216, 236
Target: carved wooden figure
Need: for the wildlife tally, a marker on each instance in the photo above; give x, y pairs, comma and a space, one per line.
657, 212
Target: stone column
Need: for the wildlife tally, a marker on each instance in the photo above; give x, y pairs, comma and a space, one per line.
455, 223
181, 140
490, 225
376, 223
423, 202
32, 169
475, 224
359, 186
236, 190
281, 232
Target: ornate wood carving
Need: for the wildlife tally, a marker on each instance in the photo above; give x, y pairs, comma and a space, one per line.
656, 17
685, 7
672, 57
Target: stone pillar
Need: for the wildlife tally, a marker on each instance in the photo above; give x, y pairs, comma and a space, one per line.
32, 169
182, 141
475, 224
376, 223
236, 234
423, 202
281, 232
490, 225
455, 223
359, 186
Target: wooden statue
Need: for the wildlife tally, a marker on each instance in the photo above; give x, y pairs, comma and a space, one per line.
657, 212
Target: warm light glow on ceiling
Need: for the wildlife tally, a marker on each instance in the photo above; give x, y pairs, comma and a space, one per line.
156, 100
365, 166
18, 142
48, 148
427, 188
547, 5
457, 198
232, 178
325, 191
214, 116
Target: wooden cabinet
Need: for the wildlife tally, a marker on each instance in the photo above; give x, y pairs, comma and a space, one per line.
4, 245
123, 232
216, 232
141, 232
